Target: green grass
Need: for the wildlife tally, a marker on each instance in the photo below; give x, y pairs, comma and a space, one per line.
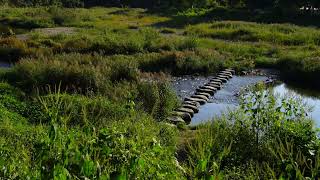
282, 34
113, 31
94, 137
93, 103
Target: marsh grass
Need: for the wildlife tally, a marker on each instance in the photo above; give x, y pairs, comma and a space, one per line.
239, 44
59, 150
283, 34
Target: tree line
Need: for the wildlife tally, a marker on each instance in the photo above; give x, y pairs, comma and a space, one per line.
292, 5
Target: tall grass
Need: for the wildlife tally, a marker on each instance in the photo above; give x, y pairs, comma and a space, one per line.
284, 34
134, 146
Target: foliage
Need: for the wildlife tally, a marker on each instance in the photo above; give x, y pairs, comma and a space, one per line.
282, 141
131, 148
90, 102
301, 70
157, 99
181, 4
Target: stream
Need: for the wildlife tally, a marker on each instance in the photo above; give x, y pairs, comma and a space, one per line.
226, 99
6, 30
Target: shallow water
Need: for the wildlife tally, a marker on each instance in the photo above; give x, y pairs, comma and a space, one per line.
4, 64
226, 99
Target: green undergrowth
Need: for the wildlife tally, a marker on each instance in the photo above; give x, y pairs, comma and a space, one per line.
93, 103
194, 48
132, 146
98, 17
284, 34
268, 137
82, 73
105, 42
78, 136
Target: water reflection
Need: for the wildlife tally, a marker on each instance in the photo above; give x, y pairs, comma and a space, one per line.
311, 99
209, 111
225, 99
4, 64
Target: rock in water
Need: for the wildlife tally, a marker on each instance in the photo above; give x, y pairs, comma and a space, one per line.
201, 101
175, 119
189, 106
200, 97
186, 110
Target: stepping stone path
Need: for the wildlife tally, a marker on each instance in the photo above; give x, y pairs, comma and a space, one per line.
191, 105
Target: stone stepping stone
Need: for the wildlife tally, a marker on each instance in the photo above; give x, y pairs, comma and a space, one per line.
186, 110
230, 70
203, 94
227, 75
222, 79
175, 120
208, 87
201, 101
218, 87
185, 116
192, 103
200, 97
225, 72
215, 80
189, 106
216, 83
209, 91
222, 76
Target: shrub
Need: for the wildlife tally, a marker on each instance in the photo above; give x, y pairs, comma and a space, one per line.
200, 61
300, 69
133, 147
84, 111
41, 74
157, 99
12, 49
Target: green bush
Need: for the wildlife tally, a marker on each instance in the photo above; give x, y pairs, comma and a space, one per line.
84, 111
200, 61
133, 147
157, 99
300, 69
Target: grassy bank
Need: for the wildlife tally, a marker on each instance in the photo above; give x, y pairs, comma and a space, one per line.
71, 136
113, 31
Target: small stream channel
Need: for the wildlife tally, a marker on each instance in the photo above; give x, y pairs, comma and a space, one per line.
6, 30
227, 98
5, 64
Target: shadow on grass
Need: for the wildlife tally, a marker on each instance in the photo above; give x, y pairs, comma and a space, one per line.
260, 16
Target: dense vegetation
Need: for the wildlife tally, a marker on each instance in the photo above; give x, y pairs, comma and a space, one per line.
286, 5
90, 100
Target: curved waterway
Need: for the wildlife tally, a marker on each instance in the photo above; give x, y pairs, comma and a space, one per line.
4, 64
227, 98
